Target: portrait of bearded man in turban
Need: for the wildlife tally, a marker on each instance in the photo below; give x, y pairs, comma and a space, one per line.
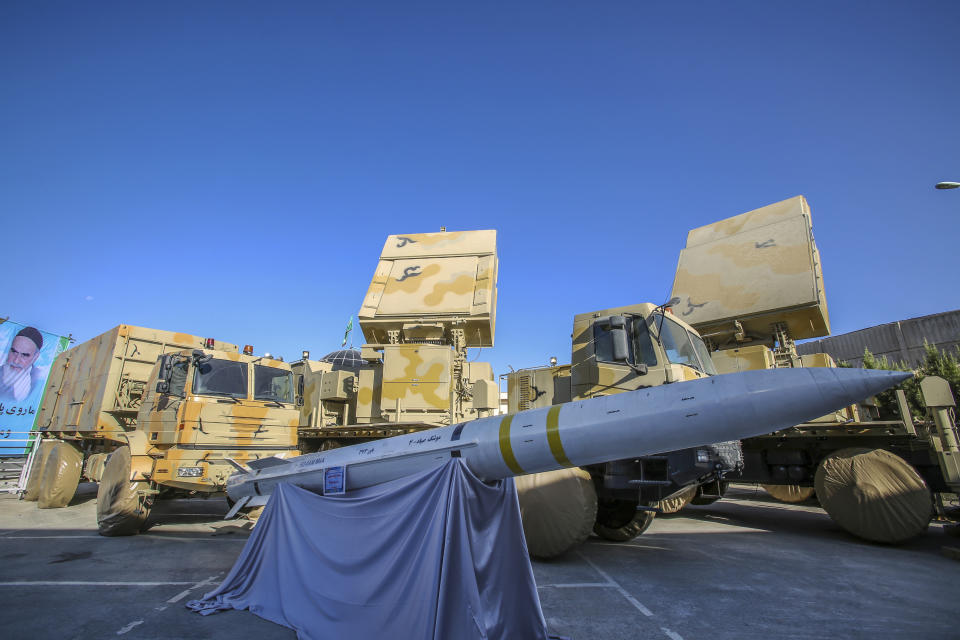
18, 375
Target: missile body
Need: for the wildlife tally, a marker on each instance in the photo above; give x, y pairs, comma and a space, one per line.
624, 425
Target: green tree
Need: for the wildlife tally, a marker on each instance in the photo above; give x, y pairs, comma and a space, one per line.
935, 363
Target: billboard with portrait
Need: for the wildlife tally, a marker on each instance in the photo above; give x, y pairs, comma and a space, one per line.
27, 354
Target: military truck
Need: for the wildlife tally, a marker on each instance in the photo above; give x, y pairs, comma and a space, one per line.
752, 285
151, 414
616, 350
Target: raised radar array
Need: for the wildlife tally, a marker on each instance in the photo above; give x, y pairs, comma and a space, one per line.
432, 296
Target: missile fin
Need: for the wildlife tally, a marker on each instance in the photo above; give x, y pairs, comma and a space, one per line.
239, 504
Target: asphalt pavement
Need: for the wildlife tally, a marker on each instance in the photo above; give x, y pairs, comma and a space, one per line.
744, 567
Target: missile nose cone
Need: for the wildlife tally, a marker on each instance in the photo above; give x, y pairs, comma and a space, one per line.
850, 386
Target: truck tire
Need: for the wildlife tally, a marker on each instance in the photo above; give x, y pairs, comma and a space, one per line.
31, 491
61, 475
122, 507
702, 500
790, 493
677, 502
619, 520
558, 509
93, 469
874, 494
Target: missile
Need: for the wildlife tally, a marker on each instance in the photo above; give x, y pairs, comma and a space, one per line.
624, 425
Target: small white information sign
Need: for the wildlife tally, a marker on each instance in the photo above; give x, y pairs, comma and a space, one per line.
334, 481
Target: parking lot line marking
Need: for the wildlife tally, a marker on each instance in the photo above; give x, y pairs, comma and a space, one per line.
671, 634
636, 603
76, 583
129, 627
183, 594
577, 585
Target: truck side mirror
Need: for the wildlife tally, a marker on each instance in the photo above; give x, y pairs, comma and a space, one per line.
299, 398
166, 368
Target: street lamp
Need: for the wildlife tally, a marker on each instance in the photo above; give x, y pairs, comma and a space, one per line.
947, 185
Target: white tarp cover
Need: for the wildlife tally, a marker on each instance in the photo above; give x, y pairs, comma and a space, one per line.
437, 555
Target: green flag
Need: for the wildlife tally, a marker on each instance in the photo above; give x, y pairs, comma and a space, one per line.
347, 332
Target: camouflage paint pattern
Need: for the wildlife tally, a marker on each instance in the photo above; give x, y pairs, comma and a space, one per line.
746, 358
587, 377
757, 268
204, 430
103, 395
420, 378
590, 377
537, 388
432, 296
445, 279
96, 388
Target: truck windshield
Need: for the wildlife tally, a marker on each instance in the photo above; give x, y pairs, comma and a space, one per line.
643, 343
270, 383
221, 378
683, 347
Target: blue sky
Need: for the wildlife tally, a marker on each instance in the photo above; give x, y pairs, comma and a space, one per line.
232, 169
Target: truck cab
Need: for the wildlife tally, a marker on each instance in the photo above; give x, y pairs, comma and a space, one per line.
625, 349
204, 408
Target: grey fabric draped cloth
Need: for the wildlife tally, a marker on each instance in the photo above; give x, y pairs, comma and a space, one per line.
435, 556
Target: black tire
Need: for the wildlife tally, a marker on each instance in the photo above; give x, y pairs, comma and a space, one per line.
60, 476
123, 505
619, 520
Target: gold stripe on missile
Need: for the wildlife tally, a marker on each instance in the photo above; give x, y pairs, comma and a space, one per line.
553, 436
506, 449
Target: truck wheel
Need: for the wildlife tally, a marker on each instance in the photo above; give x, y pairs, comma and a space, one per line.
619, 520
790, 493
677, 502
874, 494
121, 507
31, 491
703, 500
61, 475
93, 469
558, 509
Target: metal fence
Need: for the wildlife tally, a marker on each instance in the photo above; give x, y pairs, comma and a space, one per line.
16, 455
898, 341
